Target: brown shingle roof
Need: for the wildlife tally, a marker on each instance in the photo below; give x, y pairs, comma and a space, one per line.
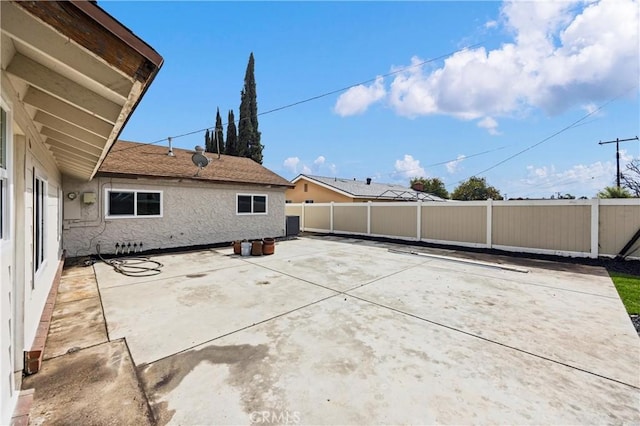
132, 159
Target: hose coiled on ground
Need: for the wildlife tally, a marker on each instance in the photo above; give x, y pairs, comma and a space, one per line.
137, 266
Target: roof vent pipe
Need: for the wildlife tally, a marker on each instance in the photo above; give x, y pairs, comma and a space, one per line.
368, 181
170, 153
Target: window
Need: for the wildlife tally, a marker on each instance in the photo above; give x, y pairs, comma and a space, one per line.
39, 219
4, 176
306, 188
3, 139
251, 204
131, 203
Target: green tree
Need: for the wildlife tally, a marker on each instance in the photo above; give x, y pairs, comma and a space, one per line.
218, 137
248, 135
475, 188
208, 146
433, 186
614, 192
231, 147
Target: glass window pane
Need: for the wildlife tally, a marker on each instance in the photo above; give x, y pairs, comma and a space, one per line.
121, 203
148, 203
3, 139
259, 204
244, 204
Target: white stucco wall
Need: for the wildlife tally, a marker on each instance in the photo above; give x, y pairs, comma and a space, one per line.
23, 291
194, 213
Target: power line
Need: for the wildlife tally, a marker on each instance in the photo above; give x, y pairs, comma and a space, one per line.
313, 98
564, 129
617, 142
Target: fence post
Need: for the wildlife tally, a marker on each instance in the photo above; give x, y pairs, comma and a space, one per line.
331, 218
369, 217
595, 228
489, 222
302, 218
419, 221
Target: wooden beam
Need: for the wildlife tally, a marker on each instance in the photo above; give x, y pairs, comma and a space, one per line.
73, 170
54, 106
19, 24
47, 80
64, 154
83, 28
69, 129
72, 142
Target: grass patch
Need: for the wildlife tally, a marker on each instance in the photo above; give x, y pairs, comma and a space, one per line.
628, 287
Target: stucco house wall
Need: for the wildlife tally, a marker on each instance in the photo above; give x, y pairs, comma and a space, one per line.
25, 285
193, 213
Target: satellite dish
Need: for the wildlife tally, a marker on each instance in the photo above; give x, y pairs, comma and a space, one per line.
200, 160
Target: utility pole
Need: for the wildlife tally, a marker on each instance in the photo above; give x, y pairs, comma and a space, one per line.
617, 142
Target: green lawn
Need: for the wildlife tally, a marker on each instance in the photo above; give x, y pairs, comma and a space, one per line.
628, 287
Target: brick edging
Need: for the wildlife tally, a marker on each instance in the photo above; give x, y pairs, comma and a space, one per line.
33, 357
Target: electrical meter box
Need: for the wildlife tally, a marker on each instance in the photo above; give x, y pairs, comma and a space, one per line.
89, 197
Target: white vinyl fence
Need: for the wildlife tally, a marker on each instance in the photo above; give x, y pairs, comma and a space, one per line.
576, 228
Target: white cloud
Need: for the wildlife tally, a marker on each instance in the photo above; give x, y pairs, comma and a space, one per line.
490, 124
452, 166
357, 99
291, 164
578, 180
409, 167
625, 157
562, 54
491, 24
590, 108
318, 166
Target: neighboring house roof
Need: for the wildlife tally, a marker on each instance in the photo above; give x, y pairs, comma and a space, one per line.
374, 190
132, 159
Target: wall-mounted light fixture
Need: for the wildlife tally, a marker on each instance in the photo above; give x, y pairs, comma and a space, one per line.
72, 195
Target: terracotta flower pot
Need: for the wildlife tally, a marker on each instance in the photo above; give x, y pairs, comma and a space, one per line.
268, 246
256, 248
237, 247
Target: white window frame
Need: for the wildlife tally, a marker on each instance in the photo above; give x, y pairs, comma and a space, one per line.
252, 213
6, 175
40, 227
135, 204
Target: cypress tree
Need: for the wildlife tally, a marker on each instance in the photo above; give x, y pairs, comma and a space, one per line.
245, 128
207, 142
218, 139
231, 147
248, 134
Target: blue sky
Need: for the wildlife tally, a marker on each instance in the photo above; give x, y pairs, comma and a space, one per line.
535, 68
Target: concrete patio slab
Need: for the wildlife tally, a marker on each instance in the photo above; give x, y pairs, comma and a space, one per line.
97, 385
187, 263
327, 331
343, 268
164, 316
345, 361
77, 321
572, 327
